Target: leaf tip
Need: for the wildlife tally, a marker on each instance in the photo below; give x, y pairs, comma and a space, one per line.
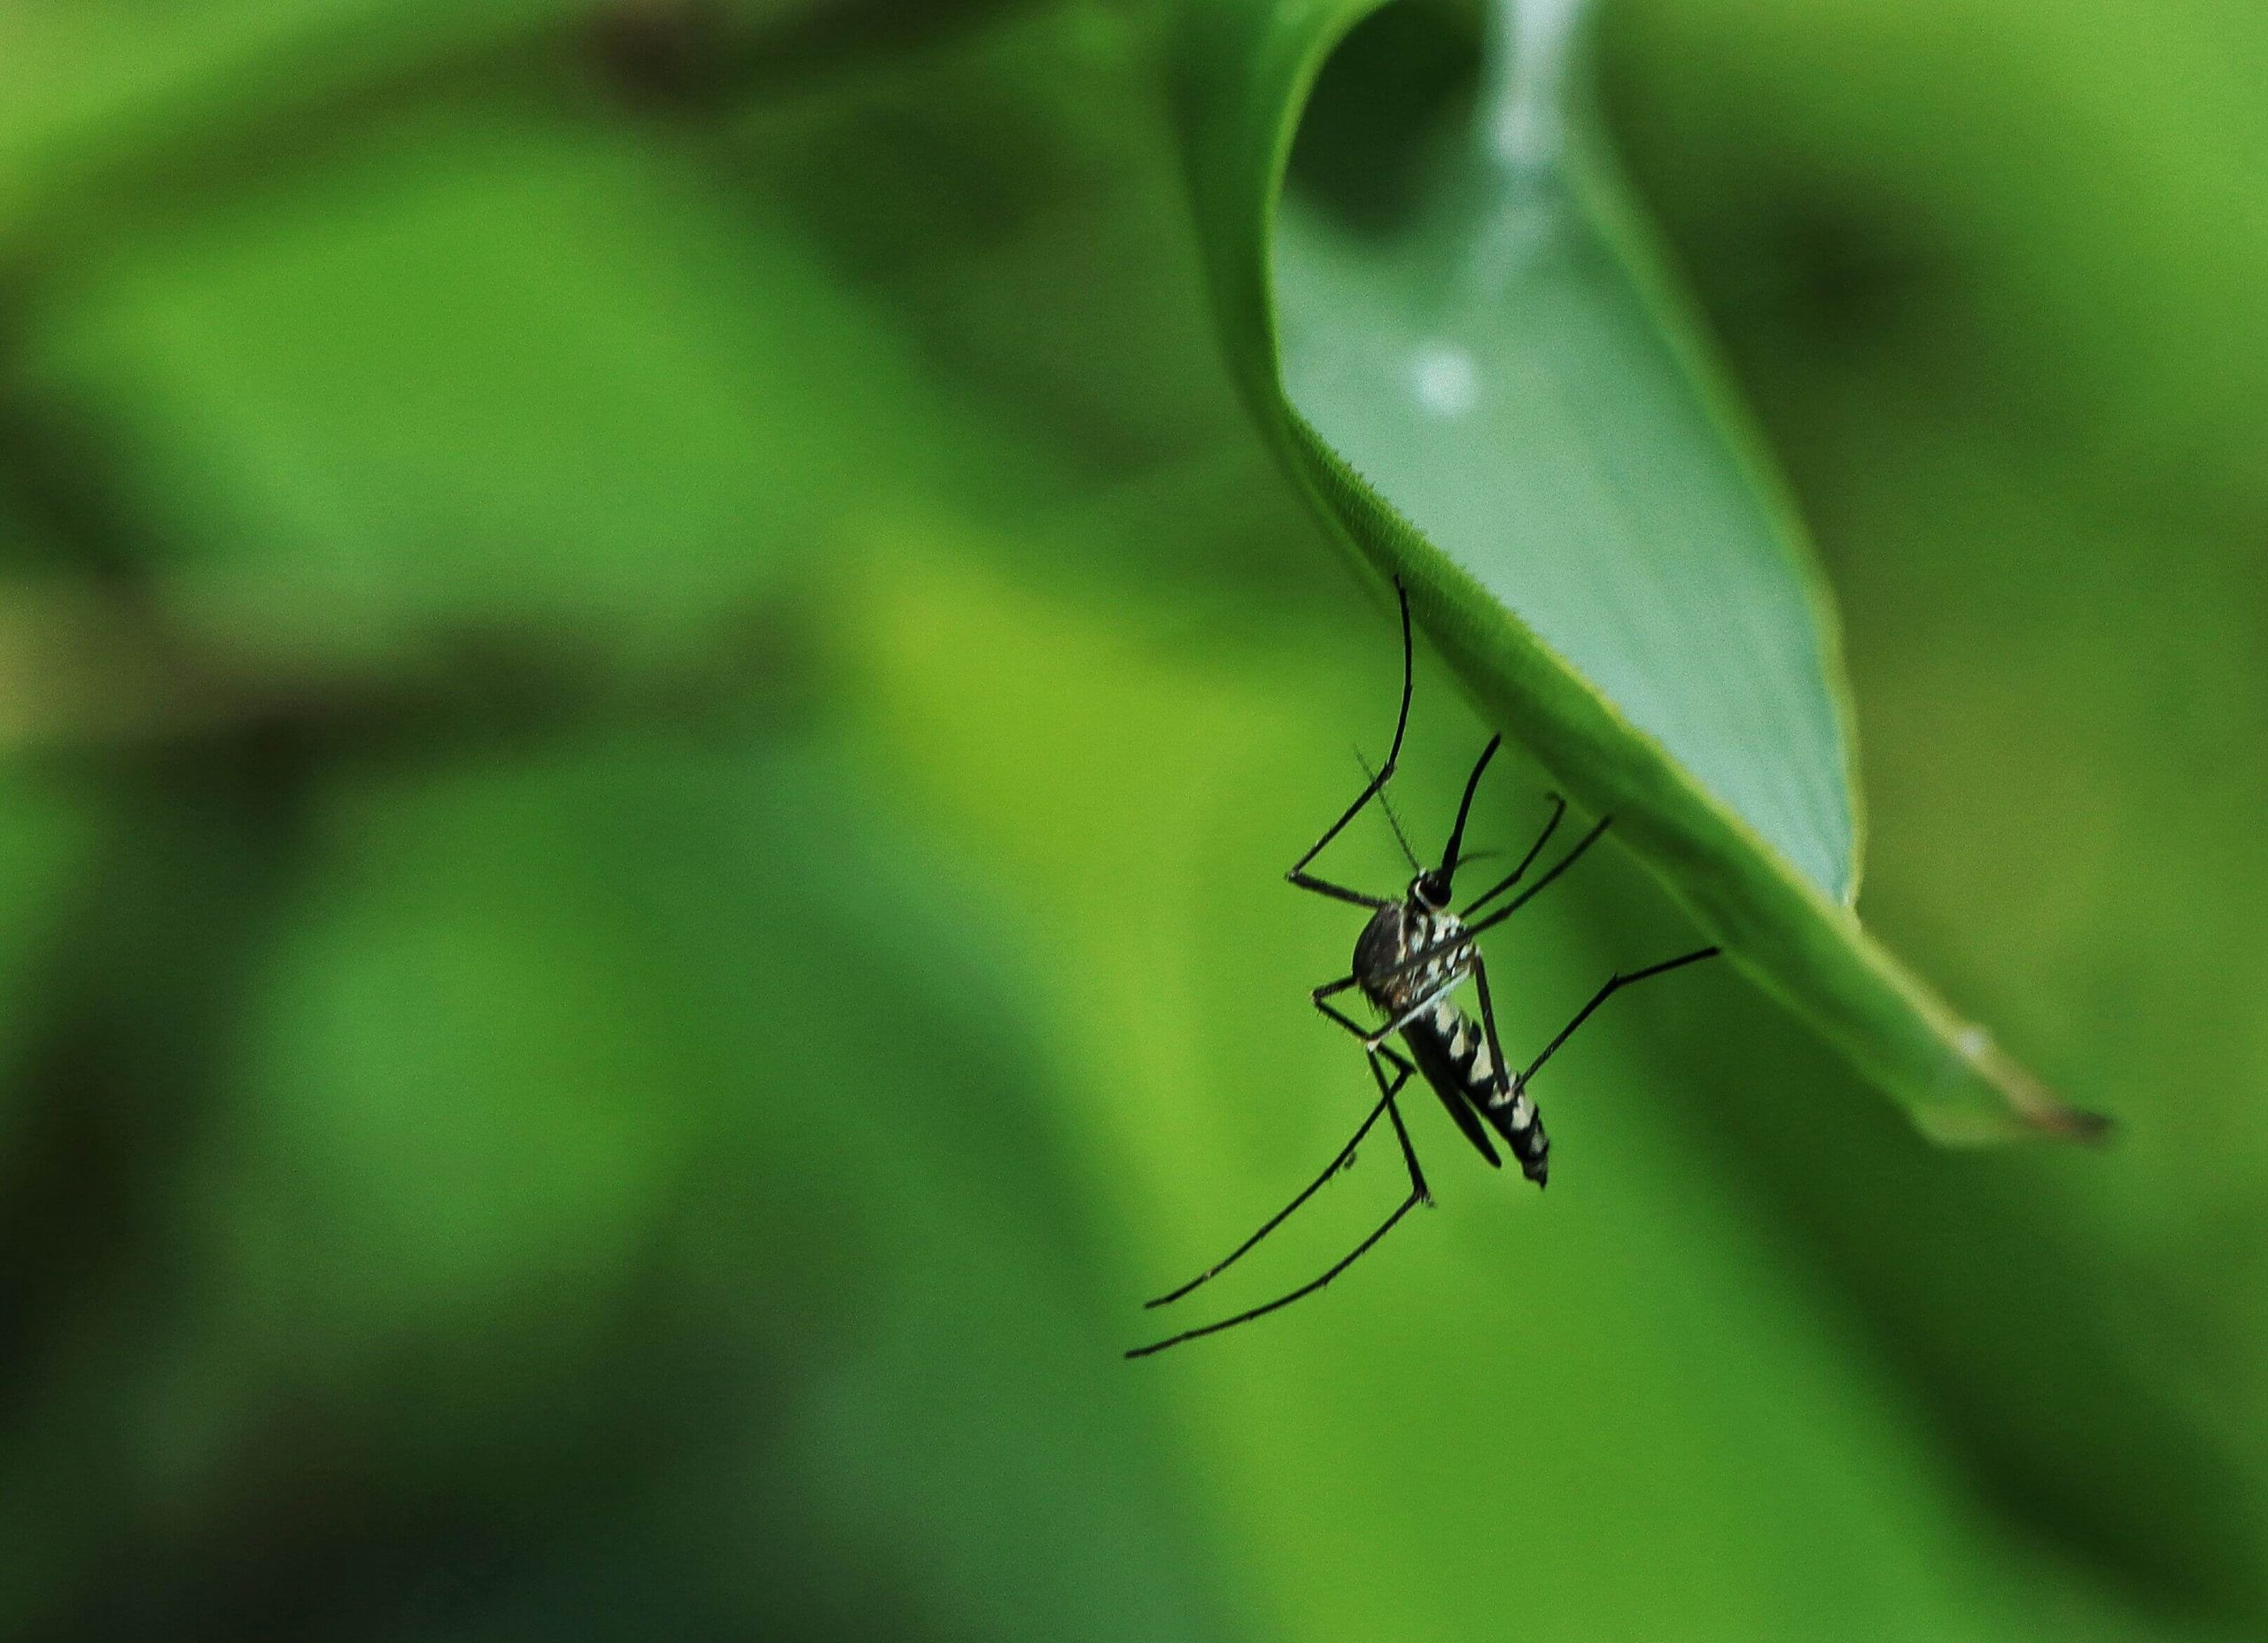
2037, 1109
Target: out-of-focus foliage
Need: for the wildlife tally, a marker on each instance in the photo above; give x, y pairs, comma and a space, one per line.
658, 689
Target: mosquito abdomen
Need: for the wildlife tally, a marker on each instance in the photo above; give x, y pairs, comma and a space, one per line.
1452, 1051
1515, 1116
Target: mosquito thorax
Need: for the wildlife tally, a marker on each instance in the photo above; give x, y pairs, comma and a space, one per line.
1397, 932
1378, 948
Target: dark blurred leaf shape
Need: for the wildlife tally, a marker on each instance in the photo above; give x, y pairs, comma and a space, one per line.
544, 1183
1454, 333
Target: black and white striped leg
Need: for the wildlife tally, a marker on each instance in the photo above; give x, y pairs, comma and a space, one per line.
1345, 1157
1418, 1194
1299, 874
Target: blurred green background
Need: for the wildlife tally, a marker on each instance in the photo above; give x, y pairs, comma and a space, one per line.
656, 696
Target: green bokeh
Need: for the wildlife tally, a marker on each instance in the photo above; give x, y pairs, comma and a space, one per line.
656, 902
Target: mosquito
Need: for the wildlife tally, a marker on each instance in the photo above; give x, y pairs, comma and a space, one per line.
1411, 957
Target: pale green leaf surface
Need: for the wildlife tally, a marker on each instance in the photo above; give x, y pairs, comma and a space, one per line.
1483, 384
1485, 359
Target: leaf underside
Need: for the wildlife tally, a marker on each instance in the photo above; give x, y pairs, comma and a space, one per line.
1445, 315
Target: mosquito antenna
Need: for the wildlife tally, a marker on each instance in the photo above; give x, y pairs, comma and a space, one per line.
1400, 837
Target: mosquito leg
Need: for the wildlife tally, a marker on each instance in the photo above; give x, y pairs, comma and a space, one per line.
1418, 1194
1345, 1156
1573, 855
1350, 1023
1558, 810
1424, 957
1302, 1293
1374, 1041
1614, 984
1495, 1071
1299, 874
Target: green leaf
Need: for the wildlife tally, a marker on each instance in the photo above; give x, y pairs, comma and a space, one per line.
1453, 334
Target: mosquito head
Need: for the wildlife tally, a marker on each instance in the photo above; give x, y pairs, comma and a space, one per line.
1430, 891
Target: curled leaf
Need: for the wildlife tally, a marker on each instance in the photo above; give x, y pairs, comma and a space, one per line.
1443, 311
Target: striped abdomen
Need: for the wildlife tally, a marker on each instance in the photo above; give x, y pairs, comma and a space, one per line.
1453, 1053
